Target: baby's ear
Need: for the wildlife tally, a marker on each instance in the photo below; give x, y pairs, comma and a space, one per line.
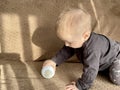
86, 35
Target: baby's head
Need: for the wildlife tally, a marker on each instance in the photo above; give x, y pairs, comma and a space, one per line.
74, 27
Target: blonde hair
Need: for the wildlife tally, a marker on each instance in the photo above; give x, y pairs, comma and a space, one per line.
74, 21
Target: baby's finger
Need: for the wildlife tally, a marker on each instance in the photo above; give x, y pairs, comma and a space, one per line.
69, 87
73, 83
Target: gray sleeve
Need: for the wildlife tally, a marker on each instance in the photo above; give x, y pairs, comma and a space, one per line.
63, 54
90, 70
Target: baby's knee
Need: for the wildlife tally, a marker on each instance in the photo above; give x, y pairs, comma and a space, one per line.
115, 79
115, 73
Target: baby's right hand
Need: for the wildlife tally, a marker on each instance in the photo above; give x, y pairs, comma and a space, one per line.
49, 62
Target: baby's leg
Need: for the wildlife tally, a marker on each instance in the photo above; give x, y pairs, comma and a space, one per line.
115, 72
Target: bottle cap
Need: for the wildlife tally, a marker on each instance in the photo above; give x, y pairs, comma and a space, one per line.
47, 72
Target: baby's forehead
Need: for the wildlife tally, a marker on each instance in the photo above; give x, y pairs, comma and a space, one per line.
69, 36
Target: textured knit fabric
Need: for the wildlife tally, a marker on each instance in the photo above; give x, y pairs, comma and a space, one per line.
114, 72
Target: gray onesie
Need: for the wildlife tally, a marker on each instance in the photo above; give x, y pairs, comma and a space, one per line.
96, 54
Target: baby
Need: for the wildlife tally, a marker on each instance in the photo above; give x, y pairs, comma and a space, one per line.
95, 51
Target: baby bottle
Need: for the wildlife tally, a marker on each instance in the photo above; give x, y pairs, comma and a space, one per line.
47, 72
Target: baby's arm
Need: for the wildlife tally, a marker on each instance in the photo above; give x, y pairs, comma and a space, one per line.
49, 66
63, 54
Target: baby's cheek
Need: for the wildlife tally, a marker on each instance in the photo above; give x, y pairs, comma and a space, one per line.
76, 45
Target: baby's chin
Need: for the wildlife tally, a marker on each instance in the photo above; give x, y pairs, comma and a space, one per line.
75, 47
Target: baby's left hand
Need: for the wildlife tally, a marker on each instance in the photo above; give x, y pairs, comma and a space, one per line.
71, 86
